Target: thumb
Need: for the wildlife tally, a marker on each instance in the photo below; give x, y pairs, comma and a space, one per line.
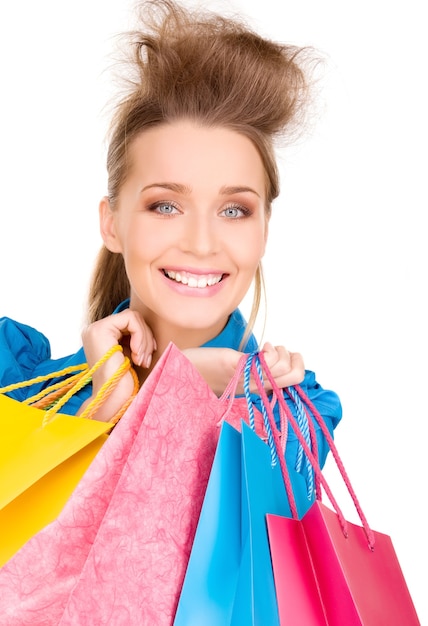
270, 353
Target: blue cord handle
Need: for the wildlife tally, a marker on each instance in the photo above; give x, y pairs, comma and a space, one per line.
301, 417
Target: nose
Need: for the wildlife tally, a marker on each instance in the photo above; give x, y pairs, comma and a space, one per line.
199, 236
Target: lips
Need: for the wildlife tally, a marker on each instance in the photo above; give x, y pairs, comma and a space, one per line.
197, 281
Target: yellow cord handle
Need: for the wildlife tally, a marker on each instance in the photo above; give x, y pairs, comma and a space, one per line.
40, 379
46, 397
65, 389
107, 389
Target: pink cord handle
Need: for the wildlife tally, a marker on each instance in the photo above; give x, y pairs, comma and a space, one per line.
314, 461
228, 395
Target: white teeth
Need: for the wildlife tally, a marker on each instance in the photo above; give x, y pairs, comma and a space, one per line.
193, 280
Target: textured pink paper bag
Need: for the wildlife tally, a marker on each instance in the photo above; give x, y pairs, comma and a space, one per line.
118, 551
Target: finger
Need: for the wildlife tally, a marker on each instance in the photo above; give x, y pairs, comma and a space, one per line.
141, 340
277, 358
287, 368
127, 328
270, 354
294, 374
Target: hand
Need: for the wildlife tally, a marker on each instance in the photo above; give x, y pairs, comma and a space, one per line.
287, 368
129, 329
217, 366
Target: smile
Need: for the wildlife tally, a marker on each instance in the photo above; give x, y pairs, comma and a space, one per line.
194, 280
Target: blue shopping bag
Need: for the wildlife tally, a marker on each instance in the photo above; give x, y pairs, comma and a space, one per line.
262, 491
208, 590
229, 578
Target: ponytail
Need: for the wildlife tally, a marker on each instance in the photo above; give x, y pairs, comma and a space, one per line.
109, 285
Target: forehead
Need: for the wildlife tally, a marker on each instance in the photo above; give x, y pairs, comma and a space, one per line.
191, 154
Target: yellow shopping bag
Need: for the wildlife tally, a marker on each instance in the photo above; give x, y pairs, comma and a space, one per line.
43, 453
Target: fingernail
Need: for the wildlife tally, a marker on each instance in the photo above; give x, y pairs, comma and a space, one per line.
148, 360
141, 357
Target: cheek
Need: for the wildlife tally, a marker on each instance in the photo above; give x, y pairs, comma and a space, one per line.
258, 243
138, 241
251, 247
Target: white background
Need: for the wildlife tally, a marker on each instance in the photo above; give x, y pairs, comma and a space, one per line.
346, 262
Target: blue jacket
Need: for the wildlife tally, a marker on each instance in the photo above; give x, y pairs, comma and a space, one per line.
25, 353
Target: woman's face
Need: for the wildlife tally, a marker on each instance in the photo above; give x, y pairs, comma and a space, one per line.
190, 223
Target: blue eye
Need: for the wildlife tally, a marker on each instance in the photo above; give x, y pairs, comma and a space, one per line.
235, 212
165, 208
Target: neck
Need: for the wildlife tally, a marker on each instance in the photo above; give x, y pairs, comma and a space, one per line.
183, 338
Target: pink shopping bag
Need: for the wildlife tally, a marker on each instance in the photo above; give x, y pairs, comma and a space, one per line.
118, 551
324, 578
328, 571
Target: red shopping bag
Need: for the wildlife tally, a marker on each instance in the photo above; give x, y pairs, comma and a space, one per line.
118, 551
326, 578
328, 571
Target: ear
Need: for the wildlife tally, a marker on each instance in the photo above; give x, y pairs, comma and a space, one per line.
108, 226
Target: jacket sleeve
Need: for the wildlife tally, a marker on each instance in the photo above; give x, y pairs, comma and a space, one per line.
22, 349
25, 353
328, 405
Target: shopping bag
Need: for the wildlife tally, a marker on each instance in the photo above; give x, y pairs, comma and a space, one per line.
229, 578
118, 550
329, 571
324, 577
209, 587
262, 492
43, 453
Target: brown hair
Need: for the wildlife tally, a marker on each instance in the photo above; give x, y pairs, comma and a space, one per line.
213, 70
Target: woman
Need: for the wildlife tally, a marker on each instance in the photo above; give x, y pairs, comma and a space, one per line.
191, 181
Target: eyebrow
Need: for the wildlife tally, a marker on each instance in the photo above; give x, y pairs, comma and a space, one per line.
184, 189
239, 189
